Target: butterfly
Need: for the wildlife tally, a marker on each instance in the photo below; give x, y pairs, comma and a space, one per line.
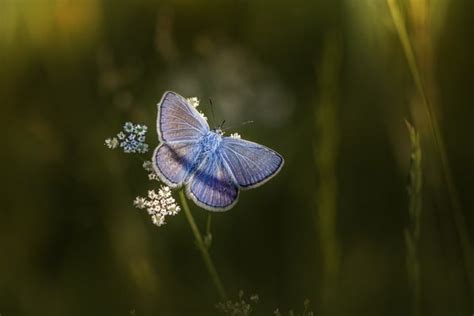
213, 168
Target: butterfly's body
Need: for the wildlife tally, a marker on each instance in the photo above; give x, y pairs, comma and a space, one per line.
212, 167
210, 142
208, 146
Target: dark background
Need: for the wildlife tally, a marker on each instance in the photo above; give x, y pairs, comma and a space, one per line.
328, 86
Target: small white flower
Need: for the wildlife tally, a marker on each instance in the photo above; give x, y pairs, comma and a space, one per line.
147, 165
128, 127
112, 143
152, 176
121, 135
158, 205
193, 101
139, 202
203, 116
158, 220
235, 135
152, 195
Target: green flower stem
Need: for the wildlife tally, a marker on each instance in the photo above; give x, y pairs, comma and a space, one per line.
202, 248
208, 224
458, 216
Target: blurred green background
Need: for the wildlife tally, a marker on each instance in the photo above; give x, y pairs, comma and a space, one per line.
328, 86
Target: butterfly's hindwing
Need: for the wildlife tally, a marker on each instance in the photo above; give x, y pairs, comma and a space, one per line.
250, 163
178, 121
212, 186
173, 162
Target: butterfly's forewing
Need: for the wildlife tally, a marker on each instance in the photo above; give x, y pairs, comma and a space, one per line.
178, 121
212, 186
250, 163
180, 128
172, 162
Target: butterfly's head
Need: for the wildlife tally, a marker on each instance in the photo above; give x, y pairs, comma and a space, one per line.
218, 130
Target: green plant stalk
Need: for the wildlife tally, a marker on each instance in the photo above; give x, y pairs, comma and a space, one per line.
325, 156
412, 232
459, 219
208, 224
202, 248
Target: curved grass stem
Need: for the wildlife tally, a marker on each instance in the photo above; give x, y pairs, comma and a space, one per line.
413, 231
202, 248
434, 128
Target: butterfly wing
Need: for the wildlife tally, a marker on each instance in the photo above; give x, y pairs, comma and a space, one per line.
212, 186
180, 128
178, 121
173, 161
251, 164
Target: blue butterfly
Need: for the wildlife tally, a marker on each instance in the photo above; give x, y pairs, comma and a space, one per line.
213, 168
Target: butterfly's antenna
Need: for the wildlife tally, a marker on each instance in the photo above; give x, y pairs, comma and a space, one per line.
212, 111
232, 126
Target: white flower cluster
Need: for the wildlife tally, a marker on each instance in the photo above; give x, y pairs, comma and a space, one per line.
158, 205
148, 166
235, 135
194, 102
131, 139
240, 306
